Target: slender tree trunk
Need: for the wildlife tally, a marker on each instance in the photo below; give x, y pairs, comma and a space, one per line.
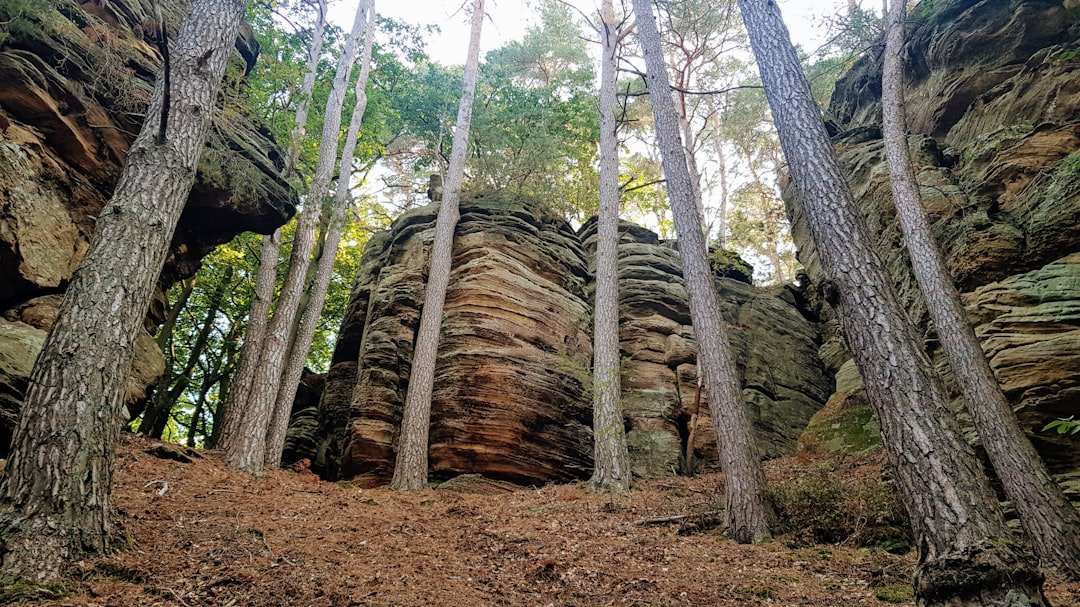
966, 556
305, 332
224, 374
200, 406
410, 469
611, 472
250, 353
55, 493
255, 338
748, 512
303, 108
246, 450
1051, 522
164, 401
158, 408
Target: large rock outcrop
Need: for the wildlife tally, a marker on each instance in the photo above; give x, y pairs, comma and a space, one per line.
511, 392
993, 93
509, 398
74, 85
775, 347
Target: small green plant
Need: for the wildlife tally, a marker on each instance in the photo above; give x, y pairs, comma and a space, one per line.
894, 594
1064, 425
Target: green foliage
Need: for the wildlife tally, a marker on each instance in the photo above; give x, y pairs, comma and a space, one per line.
851, 34
727, 263
536, 128
819, 508
22, 20
1065, 425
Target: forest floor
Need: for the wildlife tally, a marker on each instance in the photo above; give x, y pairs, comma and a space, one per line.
202, 535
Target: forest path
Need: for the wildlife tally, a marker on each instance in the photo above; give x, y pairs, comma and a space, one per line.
203, 535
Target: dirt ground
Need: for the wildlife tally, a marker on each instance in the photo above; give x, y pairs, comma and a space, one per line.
203, 535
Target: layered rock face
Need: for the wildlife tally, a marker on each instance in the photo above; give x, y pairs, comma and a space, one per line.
775, 345
509, 399
993, 93
512, 381
72, 97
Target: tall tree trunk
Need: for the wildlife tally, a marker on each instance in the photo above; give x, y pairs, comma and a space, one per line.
966, 556
159, 406
303, 108
164, 401
200, 406
228, 432
305, 332
55, 494
224, 374
611, 472
410, 469
1050, 520
246, 450
747, 513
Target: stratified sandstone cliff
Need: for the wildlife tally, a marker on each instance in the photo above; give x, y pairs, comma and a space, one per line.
74, 83
775, 346
511, 394
993, 90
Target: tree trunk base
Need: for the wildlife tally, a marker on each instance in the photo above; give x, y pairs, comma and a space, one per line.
36, 549
985, 575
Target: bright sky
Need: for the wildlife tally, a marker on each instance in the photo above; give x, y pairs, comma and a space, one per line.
509, 18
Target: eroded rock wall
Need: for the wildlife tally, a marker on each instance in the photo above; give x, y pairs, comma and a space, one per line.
74, 84
993, 91
784, 382
509, 399
511, 392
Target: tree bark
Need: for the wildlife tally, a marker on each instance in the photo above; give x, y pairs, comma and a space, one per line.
246, 449
611, 472
255, 337
228, 434
410, 469
305, 332
55, 494
966, 556
748, 512
1051, 522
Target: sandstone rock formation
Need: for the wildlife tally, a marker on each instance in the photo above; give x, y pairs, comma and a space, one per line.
74, 83
776, 346
994, 103
511, 397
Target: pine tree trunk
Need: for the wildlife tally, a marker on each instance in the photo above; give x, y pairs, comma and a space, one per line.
246, 450
611, 472
748, 513
296, 138
229, 432
1051, 522
305, 332
55, 494
410, 469
965, 553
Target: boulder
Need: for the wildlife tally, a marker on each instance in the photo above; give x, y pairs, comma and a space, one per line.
775, 346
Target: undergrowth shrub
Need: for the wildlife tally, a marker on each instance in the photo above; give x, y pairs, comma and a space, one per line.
821, 508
